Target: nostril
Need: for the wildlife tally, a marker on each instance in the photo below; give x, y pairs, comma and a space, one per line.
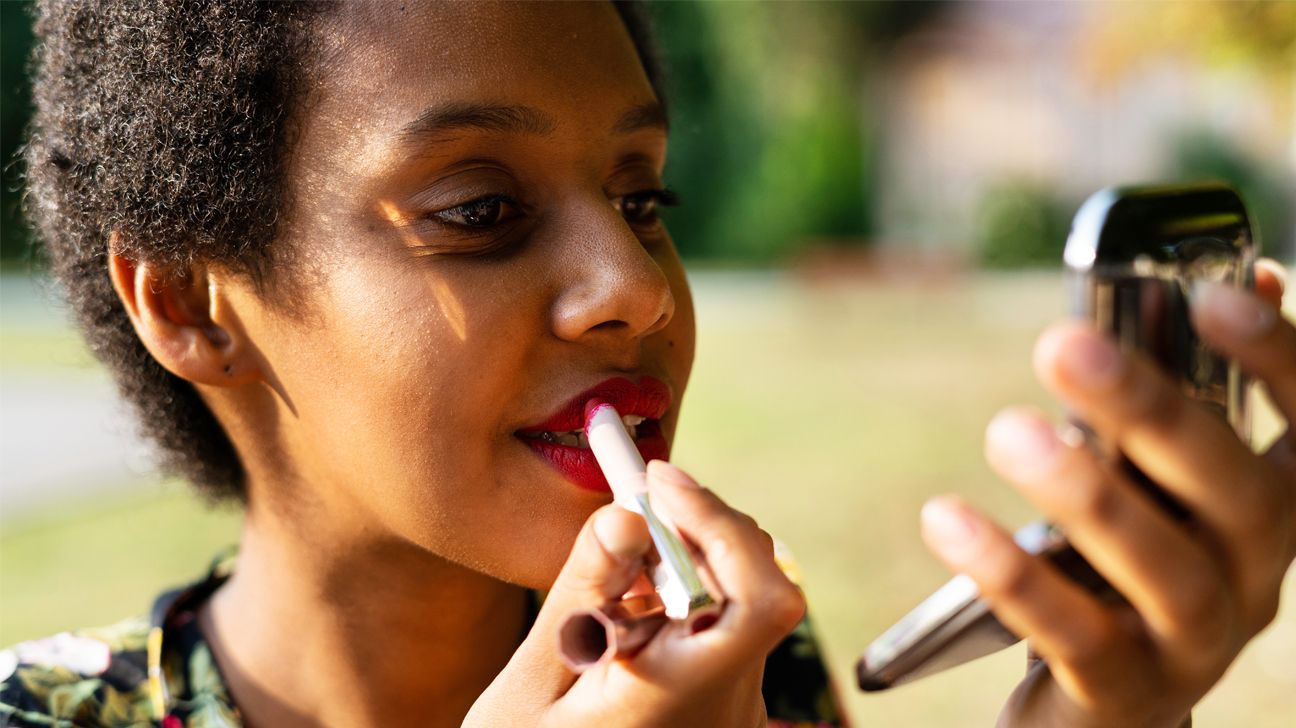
610, 326
661, 322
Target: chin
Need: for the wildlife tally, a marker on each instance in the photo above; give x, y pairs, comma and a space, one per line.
535, 556
537, 570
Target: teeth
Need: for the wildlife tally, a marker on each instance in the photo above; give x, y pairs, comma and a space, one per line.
632, 423
576, 438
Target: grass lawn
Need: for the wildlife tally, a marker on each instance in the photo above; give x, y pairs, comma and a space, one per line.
827, 411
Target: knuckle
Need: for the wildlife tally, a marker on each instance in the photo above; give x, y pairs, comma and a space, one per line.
1277, 489
1266, 611
1261, 603
1282, 457
1199, 603
1204, 620
577, 584
1095, 498
1152, 403
1257, 608
723, 512
746, 522
734, 525
783, 606
705, 500
587, 575
1265, 524
701, 508
716, 547
1101, 639
1266, 531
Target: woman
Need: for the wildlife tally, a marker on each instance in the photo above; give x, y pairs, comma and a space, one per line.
360, 262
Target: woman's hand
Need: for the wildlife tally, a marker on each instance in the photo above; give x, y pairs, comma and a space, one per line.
1197, 591
711, 678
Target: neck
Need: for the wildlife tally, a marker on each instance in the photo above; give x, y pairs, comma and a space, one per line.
341, 630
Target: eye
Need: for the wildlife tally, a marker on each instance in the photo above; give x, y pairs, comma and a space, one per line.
480, 213
642, 207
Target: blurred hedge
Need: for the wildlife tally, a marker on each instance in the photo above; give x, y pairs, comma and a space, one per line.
1022, 223
15, 110
774, 140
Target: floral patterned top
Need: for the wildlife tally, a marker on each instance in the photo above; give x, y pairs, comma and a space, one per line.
158, 672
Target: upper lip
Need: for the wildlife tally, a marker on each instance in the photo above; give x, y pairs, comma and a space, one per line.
649, 398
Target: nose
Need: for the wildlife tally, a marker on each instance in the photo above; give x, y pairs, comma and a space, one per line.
616, 290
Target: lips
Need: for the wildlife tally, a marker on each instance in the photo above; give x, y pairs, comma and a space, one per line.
560, 438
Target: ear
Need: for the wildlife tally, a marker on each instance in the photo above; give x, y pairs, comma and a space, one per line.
183, 319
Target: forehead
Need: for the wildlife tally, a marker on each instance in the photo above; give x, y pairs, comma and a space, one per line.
385, 63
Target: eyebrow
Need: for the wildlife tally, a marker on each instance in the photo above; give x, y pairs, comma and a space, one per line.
438, 121
648, 115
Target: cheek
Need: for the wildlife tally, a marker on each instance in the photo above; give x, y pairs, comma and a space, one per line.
682, 331
384, 375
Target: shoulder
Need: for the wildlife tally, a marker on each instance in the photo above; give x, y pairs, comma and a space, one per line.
90, 677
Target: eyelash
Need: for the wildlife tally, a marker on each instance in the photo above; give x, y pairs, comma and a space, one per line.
468, 209
652, 199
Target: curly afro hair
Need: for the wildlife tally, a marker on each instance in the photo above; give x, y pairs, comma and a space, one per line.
167, 123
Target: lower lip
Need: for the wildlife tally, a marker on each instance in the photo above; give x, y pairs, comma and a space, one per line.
580, 468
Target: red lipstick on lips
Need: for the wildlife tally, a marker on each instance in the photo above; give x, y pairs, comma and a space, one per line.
561, 438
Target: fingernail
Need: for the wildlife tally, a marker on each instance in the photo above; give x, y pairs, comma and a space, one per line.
665, 472
1023, 445
617, 537
1092, 359
1246, 316
949, 527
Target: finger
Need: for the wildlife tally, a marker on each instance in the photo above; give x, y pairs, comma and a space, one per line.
637, 693
1249, 330
1177, 587
1188, 450
1270, 281
1078, 637
1282, 454
1039, 700
604, 563
761, 603
1271, 284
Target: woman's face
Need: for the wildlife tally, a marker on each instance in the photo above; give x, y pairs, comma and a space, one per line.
473, 214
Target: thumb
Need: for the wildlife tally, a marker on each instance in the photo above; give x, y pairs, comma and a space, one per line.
1270, 281
607, 556
604, 563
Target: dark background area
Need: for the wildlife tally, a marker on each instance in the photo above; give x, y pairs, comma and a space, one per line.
15, 110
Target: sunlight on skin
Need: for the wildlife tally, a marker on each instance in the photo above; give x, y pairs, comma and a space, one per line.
451, 307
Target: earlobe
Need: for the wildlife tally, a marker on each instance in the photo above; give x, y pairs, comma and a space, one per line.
175, 316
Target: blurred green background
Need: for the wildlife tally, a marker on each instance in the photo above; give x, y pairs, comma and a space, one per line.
875, 199
962, 131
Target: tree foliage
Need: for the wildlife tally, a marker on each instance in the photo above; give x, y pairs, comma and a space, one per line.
772, 144
15, 110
